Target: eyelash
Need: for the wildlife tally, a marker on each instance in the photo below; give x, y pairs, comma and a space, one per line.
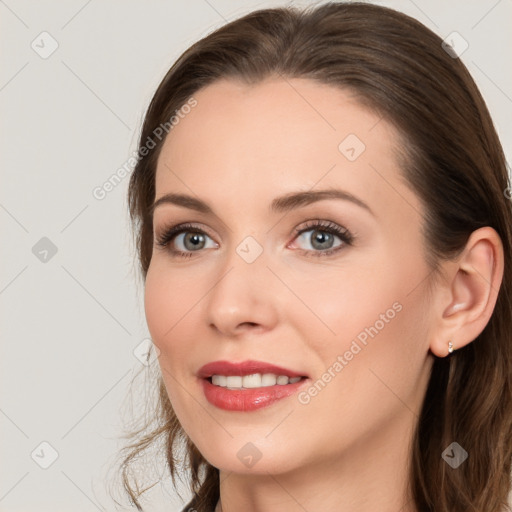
168, 235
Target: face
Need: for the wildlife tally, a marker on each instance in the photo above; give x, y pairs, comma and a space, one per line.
328, 288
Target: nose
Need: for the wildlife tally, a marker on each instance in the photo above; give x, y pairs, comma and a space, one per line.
244, 297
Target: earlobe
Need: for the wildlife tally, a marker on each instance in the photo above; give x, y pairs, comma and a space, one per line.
443, 348
473, 291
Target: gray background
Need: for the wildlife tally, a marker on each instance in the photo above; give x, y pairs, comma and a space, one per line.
72, 320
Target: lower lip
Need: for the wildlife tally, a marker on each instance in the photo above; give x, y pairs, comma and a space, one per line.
248, 399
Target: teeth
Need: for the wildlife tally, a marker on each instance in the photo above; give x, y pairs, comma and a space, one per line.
268, 379
256, 380
282, 379
251, 381
219, 380
234, 381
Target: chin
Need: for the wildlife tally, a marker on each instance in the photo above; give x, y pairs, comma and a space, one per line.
251, 458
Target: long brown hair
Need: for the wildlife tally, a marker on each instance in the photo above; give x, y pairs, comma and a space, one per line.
452, 159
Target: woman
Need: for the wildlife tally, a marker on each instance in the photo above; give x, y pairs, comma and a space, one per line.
325, 237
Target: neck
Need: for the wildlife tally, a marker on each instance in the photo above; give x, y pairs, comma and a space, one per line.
370, 476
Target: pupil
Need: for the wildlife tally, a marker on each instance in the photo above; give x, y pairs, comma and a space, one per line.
321, 237
195, 238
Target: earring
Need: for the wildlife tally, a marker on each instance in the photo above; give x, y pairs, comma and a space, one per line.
450, 347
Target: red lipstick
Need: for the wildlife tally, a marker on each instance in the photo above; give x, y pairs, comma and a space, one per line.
246, 399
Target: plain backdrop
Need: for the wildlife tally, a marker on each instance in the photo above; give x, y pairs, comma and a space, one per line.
75, 80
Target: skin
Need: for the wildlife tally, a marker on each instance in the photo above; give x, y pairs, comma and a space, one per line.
347, 449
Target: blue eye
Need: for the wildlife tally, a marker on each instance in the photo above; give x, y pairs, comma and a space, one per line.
319, 230
194, 239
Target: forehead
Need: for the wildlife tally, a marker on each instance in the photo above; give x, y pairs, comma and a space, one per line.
277, 136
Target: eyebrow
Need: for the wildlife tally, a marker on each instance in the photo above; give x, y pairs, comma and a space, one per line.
281, 204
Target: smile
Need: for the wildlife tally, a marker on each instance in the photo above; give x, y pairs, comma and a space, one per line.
248, 385
255, 380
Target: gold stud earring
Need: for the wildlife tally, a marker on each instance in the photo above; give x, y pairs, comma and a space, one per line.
450, 347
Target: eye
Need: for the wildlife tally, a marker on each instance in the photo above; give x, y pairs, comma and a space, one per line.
193, 239
323, 234
189, 236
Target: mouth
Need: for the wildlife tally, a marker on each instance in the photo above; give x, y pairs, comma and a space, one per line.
251, 369
248, 385
252, 381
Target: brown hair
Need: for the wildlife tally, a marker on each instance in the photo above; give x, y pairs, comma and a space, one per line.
452, 159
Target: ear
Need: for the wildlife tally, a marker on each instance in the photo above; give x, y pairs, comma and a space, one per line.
469, 292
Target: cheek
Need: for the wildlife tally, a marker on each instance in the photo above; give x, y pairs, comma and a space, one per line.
172, 305
336, 307
371, 318
164, 302
164, 305
156, 303
379, 347
369, 373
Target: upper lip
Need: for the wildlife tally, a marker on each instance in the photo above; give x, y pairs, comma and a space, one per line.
243, 368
